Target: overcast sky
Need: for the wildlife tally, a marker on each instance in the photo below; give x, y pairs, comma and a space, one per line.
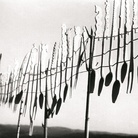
25, 22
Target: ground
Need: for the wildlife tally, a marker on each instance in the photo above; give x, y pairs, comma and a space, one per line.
9, 131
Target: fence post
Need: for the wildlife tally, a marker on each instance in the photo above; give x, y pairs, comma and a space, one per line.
45, 106
45, 116
86, 133
19, 120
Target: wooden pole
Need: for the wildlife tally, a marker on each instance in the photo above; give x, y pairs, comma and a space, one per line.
45, 116
19, 120
45, 128
86, 133
89, 87
45, 106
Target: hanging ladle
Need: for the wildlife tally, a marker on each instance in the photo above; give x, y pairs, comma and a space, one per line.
59, 102
101, 71
41, 97
109, 76
66, 70
116, 85
124, 66
54, 100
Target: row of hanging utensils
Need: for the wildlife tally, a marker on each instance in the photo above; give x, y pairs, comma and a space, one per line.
125, 69
63, 75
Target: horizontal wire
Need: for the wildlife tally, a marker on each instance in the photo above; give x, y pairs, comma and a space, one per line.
135, 28
114, 49
99, 55
69, 77
74, 65
15, 81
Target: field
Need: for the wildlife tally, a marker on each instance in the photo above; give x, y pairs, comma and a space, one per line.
9, 131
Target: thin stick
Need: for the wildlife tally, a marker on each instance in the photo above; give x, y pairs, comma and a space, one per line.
109, 60
45, 109
19, 119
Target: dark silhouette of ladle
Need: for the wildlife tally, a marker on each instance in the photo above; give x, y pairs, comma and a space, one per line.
54, 101
41, 96
66, 69
116, 85
59, 102
124, 66
109, 76
101, 82
101, 71
19, 95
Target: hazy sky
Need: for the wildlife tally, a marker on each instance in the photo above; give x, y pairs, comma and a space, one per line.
25, 22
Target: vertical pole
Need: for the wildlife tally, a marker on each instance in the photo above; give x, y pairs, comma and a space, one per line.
19, 120
86, 133
45, 116
45, 106
45, 128
89, 88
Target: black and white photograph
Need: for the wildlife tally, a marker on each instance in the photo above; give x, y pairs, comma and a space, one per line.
68, 68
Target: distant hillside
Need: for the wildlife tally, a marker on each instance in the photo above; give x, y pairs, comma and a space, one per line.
9, 131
